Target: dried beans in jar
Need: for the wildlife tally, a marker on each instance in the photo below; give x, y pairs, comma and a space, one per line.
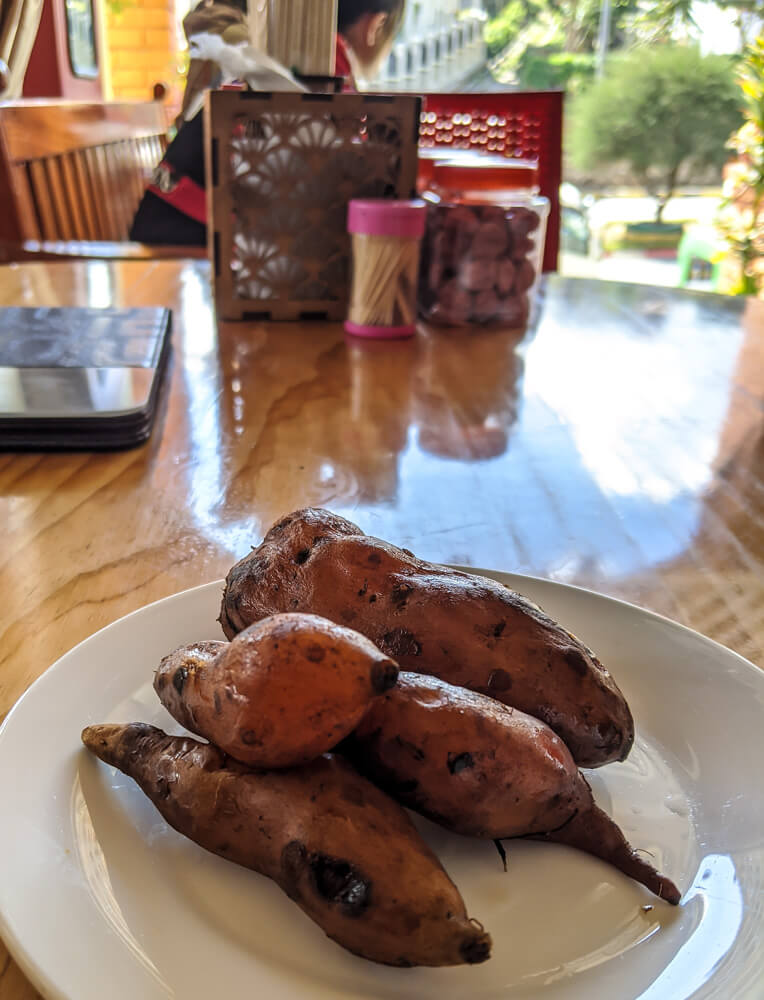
484, 243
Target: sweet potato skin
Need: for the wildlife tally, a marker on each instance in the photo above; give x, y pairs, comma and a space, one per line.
466, 761
465, 629
283, 692
483, 769
338, 846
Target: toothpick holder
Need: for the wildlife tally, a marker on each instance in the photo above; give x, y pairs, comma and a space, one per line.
386, 237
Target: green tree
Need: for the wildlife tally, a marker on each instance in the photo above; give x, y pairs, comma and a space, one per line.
658, 21
504, 28
579, 21
550, 43
545, 69
660, 111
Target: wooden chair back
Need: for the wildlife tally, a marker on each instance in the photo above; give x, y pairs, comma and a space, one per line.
75, 171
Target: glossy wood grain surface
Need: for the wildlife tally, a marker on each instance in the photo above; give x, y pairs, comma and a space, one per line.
618, 446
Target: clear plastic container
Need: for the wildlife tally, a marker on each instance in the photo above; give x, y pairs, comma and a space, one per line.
484, 243
386, 250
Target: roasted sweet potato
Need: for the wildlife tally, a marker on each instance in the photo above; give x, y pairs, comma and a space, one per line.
484, 769
466, 629
345, 852
282, 693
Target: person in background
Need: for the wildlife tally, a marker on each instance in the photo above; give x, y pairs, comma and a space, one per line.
365, 33
173, 208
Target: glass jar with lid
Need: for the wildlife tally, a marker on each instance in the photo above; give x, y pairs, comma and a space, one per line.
484, 243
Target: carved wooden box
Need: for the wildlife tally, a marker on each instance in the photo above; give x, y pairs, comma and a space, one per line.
281, 170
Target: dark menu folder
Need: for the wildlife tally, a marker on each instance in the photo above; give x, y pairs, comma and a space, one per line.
80, 378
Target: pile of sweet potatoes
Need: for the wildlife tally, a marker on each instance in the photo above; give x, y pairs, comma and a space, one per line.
359, 680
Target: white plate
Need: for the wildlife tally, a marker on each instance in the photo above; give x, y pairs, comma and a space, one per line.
99, 898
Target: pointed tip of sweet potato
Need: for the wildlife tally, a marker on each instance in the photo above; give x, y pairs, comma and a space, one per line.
593, 831
476, 947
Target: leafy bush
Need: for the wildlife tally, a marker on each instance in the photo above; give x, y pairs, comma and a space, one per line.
659, 110
550, 69
503, 29
741, 219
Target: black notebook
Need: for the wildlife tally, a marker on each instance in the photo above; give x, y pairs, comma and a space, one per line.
78, 378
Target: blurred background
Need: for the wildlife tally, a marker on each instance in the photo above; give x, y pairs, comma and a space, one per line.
663, 179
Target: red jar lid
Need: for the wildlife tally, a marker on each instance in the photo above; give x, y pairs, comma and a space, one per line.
385, 217
429, 156
494, 173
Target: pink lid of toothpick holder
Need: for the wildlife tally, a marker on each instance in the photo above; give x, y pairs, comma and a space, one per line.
382, 217
403, 222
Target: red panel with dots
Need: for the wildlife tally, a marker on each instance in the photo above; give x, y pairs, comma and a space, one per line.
514, 123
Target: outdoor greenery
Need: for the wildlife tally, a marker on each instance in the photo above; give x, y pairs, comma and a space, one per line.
648, 108
523, 33
549, 69
660, 110
504, 28
656, 22
741, 218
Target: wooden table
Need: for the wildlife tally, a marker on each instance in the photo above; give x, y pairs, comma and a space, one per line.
619, 446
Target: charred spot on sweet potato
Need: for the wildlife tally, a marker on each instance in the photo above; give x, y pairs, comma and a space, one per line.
576, 661
400, 595
302, 556
374, 559
179, 678
400, 642
163, 788
416, 752
383, 676
249, 737
458, 762
293, 858
217, 703
610, 737
499, 680
489, 633
338, 881
315, 653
